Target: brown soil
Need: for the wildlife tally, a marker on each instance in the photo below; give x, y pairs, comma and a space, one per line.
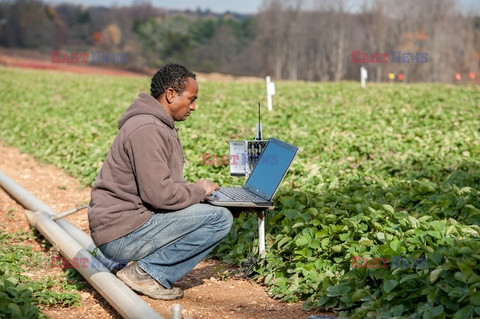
34, 60
209, 292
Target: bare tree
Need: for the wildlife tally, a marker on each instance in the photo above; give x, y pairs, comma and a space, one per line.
334, 37
27, 24
375, 27
293, 39
272, 30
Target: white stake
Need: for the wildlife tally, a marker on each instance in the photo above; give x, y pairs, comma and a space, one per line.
261, 233
176, 311
270, 92
363, 76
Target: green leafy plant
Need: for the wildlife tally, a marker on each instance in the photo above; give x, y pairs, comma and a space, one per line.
21, 295
393, 170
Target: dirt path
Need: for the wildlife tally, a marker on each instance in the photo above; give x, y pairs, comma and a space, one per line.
33, 59
207, 293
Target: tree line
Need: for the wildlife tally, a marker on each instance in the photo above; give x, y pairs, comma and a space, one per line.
316, 40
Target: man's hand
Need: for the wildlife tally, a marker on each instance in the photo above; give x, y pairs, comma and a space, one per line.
208, 186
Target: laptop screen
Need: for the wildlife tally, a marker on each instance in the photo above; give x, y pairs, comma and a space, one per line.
271, 168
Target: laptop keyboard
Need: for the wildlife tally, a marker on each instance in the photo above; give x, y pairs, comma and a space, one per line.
240, 194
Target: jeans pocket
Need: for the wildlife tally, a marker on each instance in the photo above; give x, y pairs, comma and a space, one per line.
128, 247
135, 248
111, 249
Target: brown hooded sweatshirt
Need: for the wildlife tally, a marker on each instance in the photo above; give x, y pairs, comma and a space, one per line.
143, 171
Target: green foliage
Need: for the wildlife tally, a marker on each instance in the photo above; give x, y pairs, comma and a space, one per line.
178, 38
19, 294
166, 39
392, 170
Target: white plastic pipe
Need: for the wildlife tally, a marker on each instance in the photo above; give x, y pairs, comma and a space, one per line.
124, 300
30, 202
61, 233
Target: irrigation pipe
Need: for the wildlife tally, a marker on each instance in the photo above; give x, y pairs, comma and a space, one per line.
30, 202
68, 212
124, 300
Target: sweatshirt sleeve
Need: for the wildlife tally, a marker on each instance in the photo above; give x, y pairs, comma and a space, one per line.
148, 150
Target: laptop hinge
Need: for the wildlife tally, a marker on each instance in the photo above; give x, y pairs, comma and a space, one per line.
263, 198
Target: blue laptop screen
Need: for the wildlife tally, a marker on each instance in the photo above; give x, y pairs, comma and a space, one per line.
271, 168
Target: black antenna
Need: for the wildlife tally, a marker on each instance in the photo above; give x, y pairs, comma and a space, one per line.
258, 112
259, 125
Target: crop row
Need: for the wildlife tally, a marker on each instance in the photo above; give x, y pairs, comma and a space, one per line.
390, 171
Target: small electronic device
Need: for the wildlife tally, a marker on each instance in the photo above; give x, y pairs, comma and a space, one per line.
245, 154
263, 182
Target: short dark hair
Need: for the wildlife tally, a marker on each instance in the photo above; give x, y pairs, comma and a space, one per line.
170, 76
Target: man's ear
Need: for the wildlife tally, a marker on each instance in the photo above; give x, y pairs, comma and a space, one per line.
170, 95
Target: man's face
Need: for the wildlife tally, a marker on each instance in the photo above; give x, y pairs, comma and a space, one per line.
183, 104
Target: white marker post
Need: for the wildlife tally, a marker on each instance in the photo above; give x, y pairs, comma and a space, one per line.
261, 233
270, 92
176, 311
363, 76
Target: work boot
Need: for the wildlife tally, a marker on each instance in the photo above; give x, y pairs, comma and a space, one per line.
137, 279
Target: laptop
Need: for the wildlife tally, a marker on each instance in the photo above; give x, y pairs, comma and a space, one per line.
263, 182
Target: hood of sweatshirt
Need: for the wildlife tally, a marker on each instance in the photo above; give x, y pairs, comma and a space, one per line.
146, 104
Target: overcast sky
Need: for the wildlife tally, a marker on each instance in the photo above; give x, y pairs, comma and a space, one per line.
220, 6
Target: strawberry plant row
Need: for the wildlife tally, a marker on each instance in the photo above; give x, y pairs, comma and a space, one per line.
388, 175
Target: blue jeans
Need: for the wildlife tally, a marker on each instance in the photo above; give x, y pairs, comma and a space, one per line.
171, 243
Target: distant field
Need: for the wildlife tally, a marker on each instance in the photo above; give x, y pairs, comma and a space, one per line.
389, 170
342, 130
